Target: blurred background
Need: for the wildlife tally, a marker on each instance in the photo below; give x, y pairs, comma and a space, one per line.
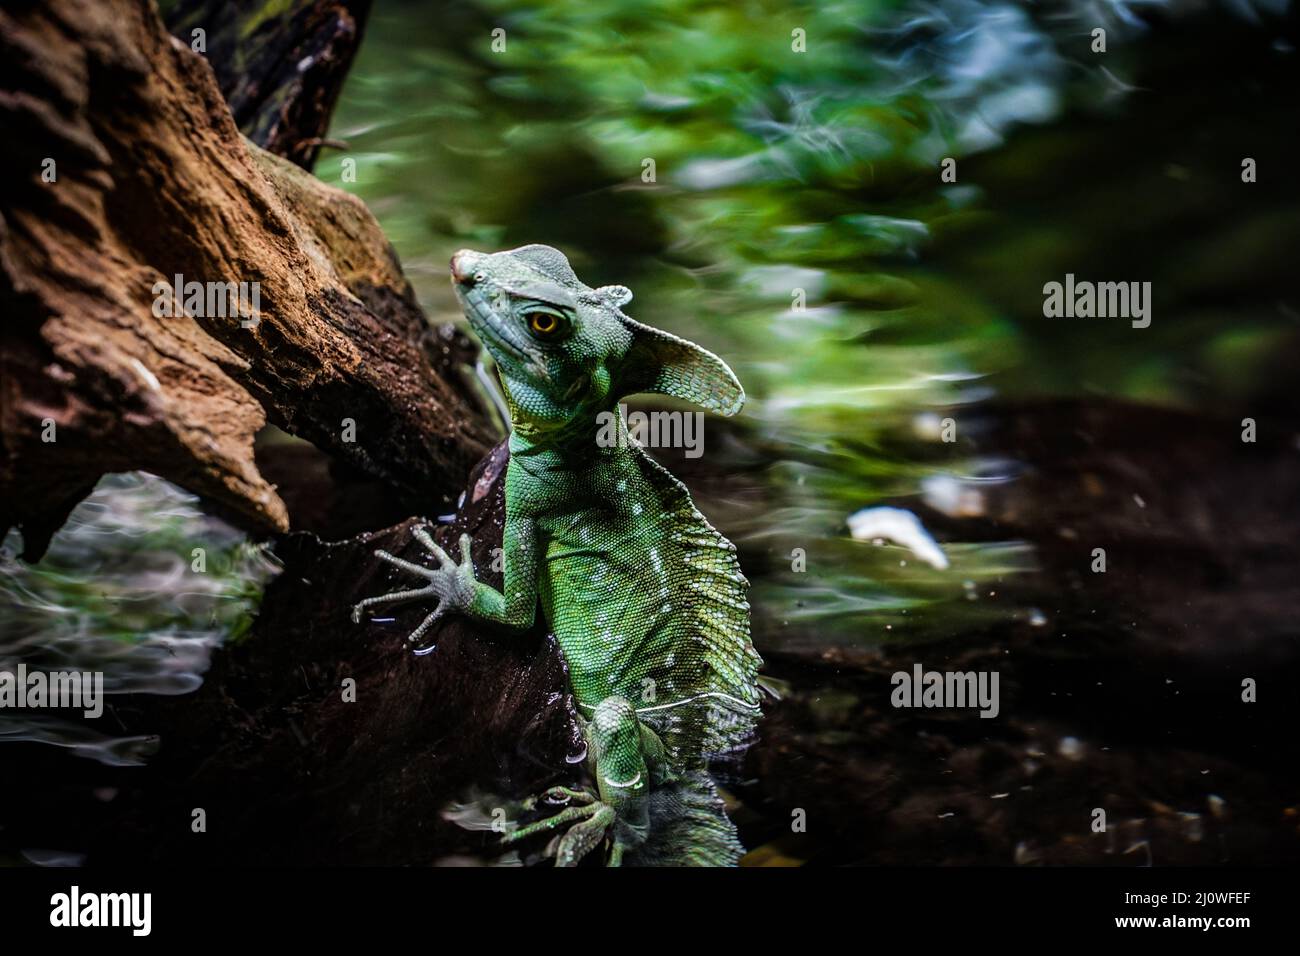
786, 210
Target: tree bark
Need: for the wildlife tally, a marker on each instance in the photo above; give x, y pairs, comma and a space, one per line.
314, 738
126, 171
280, 66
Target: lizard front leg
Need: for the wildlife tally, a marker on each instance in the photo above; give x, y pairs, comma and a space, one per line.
454, 587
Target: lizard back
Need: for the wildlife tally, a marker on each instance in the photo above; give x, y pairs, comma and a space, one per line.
647, 601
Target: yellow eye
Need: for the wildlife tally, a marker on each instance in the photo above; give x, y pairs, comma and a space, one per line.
543, 323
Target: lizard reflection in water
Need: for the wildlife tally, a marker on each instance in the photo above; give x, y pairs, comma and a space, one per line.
645, 598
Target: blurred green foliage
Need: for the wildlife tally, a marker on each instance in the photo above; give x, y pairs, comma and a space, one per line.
769, 200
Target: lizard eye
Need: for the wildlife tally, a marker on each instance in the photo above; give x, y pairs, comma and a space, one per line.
544, 325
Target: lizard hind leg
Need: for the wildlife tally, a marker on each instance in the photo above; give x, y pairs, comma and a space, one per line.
622, 773
614, 737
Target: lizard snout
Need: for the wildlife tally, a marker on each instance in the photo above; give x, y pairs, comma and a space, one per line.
463, 265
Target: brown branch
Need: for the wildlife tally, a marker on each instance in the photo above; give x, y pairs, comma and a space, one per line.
127, 170
280, 66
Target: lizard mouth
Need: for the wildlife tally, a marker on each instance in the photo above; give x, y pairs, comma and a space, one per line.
495, 330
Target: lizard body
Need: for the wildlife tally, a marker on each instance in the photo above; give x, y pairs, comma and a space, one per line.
645, 598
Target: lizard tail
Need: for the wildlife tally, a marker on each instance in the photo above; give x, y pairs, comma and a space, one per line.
688, 826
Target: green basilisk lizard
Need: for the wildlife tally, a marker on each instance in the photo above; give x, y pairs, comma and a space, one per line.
645, 598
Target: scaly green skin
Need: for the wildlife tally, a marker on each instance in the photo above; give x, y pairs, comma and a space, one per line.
646, 599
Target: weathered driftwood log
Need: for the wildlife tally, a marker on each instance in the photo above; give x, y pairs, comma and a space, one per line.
280, 66
124, 171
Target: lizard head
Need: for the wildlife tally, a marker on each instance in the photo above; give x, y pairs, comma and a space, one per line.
566, 351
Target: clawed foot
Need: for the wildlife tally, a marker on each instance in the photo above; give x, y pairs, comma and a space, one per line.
590, 820
451, 585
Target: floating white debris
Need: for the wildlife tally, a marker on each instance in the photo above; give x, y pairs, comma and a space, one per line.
928, 426
54, 857
1025, 854
953, 497
899, 526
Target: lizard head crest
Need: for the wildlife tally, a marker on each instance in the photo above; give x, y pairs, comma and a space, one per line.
566, 351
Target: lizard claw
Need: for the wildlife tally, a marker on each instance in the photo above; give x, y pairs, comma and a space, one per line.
418, 633
445, 584
432, 547
588, 825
